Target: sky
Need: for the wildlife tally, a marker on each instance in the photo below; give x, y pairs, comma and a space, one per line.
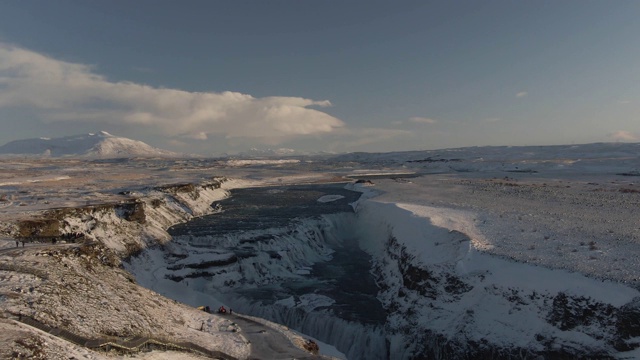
213, 77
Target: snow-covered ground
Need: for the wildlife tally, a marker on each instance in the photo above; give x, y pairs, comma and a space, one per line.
247, 162
446, 274
81, 288
476, 252
587, 225
78, 289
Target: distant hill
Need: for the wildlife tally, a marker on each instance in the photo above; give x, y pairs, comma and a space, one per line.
101, 144
255, 153
579, 152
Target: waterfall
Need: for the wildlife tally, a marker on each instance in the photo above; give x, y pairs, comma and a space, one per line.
355, 340
299, 246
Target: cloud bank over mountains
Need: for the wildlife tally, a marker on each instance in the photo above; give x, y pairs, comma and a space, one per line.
68, 98
60, 91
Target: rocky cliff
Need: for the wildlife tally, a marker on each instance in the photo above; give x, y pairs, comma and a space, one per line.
126, 227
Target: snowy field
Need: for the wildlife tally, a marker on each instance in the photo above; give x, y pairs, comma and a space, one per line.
493, 245
589, 226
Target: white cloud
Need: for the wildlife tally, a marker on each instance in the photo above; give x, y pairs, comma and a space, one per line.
422, 120
624, 102
623, 135
522, 94
67, 92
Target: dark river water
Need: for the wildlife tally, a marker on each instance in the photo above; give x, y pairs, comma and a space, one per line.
268, 207
345, 278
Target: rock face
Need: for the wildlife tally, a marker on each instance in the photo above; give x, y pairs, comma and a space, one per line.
128, 227
311, 346
52, 224
628, 326
431, 289
572, 312
38, 228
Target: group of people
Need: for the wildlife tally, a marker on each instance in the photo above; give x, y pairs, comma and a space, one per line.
72, 237
69, 237
221, 309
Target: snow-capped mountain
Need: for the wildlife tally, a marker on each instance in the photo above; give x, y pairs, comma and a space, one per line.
101, 144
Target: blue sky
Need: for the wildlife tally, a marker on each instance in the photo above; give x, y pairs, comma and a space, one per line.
224, 76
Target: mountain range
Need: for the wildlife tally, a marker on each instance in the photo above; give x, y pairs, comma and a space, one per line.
100, 144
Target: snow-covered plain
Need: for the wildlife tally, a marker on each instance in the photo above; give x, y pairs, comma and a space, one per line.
477, 252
